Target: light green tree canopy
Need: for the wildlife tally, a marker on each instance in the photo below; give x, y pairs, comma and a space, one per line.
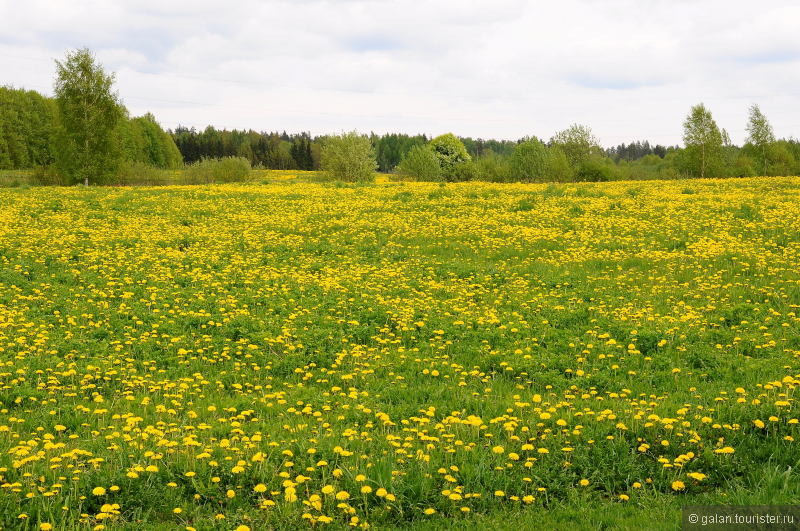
348, 157
760, 135
450, 151
703, 141
530, 161
422, 163
88, 115
577, 142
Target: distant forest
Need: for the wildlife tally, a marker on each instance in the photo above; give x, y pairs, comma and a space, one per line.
283, 151
28, 125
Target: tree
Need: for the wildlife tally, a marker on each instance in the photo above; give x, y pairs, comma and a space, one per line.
493, 167
26, 128
558, 166
450, 151
422, 163
348, 157
703, 141
390, 149
529, 161
88, 114
595, 169
760, 134
577, 142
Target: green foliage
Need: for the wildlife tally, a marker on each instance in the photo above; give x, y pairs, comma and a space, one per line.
530, 162
760, 135
391, 149
348, 157
743, 167
780, 158
463, 171
89, 112
143, 174
493, 167
143, 141
703, 139
595, 169
450, 151
223, 170
421, 163
26, 129
479, 147
47, 176
559, 168
279, 151
301, 151
577, 142
33, 134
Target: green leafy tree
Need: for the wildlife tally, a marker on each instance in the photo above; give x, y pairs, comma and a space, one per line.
578, 143
26, 129
558, 167
703, 141
421, 163
142, 140
530, 161
463, 171
450, 151
390, 149
781, 159
728, 155
595, 169
760, 135
493, 167
88, 115
348, 157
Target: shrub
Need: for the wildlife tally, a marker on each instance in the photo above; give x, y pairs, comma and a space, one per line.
348, 157
450, 151
594, 169
493, 167
530, 162
224, 170
578, 143
421, 163
132, 173
464, 171
47, 176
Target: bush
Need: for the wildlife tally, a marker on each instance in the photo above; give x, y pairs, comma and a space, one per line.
47, 176
594, 169
530, 162
348, 157
224, 170
558, 168
493, 167
450, 151
421, 163
464, 171
132, 173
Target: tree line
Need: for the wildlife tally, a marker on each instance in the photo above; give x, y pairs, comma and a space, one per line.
573, 154
86, 134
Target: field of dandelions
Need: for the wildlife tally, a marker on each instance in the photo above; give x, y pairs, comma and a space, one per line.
318, 355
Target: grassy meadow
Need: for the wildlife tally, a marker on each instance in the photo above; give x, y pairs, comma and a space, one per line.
286, 354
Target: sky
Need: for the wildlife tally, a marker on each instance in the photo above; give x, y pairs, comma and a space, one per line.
504, 69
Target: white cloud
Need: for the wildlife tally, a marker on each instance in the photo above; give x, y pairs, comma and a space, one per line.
502, 68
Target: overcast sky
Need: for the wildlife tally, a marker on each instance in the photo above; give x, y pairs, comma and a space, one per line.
630, 69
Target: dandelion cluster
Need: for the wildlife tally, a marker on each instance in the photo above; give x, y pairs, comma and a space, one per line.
250, 356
